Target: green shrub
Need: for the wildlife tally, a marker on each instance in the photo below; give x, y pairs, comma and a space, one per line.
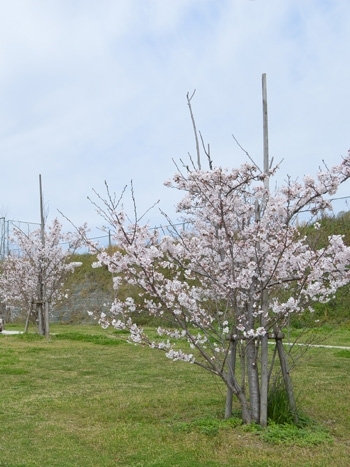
278, 410
290, 434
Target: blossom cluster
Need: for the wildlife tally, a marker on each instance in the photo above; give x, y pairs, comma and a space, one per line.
241, 269
37, 271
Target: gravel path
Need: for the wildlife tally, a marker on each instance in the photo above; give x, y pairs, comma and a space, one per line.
286, 343
10, 332
317, 345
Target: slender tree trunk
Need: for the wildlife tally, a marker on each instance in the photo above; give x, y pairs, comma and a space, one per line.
233, 387
231, 374
246, 414
40, 318
46, 319
264, 380
243, 366
253, 381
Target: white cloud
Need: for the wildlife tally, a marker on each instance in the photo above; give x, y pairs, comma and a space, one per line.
97, 90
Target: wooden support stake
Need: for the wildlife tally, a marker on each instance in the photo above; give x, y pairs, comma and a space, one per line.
231, 373
287, 379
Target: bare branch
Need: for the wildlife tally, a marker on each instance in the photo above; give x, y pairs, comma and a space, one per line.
207, 152
246, 153
194, 128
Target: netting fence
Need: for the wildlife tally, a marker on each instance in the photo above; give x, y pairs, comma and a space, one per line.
8, 246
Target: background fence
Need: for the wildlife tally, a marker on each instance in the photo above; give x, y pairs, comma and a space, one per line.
7, 226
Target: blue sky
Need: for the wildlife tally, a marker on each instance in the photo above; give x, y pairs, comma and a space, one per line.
93, 91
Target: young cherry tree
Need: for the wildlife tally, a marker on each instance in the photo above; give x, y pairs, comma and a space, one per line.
231, 279
33, 278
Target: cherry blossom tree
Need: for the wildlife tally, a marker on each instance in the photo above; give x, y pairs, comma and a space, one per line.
228, 282
32, 278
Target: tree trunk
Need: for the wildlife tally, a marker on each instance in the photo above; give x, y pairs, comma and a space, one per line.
246, 414
40, 318
253, 381
231, 374
46, 320
264, 380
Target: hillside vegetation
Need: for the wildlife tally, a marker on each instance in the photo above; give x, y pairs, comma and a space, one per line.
91, 289
337, 309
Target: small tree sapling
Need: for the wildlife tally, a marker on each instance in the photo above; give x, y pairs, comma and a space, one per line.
32, 278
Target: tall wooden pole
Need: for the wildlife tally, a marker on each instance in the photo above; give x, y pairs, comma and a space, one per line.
264, 339
43, 298
265, 130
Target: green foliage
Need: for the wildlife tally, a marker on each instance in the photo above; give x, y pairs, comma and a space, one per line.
306, 433
290, 434
92, 290
338, 308
13, 371
342, 353
278, 410
92, 278
94, 339
329, 225
30, 337
208, 426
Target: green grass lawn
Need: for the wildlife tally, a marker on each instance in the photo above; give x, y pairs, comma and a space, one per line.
88, 398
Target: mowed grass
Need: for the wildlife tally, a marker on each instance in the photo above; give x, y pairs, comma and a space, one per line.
88, 398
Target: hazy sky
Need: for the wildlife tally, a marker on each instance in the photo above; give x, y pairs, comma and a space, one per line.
96, 90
